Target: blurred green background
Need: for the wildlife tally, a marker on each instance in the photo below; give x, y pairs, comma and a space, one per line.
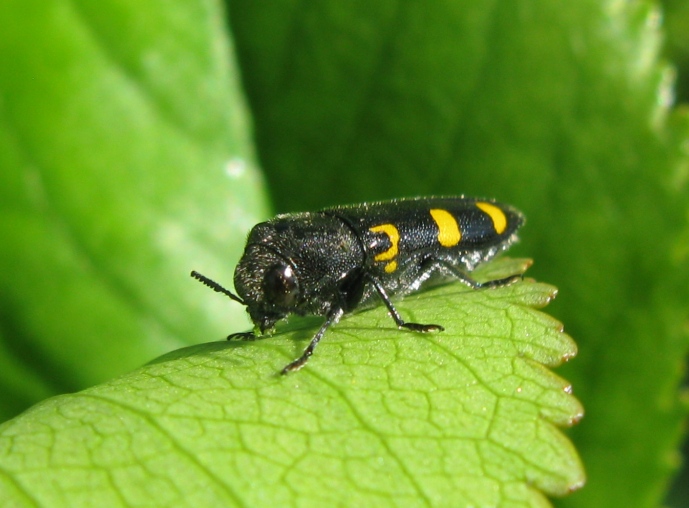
132, 135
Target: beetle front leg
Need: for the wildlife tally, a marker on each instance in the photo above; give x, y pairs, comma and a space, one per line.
242, 336
332, 318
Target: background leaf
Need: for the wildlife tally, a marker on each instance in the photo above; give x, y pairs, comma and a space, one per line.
115, 184
374, 414
676, 13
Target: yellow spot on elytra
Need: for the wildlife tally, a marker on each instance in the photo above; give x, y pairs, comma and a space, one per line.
448, 229
495, 214
391, 267
394, 237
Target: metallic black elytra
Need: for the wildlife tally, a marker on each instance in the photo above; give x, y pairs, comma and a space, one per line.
333, 261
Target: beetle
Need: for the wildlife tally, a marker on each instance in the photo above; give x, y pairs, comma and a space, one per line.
330, 262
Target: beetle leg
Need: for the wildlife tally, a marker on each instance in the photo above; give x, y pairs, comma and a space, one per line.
242, 336
430, 265
332, 318
462, 276
416, 327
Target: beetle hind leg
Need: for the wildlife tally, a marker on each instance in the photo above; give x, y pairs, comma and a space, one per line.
433, 264
500, 282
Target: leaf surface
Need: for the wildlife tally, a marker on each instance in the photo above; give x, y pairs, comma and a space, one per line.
384, 417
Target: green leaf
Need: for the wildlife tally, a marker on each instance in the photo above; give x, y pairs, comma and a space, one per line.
377, 417
125, 164
559, 108
676, 13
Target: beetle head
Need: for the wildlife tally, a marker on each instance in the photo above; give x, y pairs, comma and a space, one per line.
268, 284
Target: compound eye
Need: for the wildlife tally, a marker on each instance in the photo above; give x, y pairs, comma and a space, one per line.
280, 286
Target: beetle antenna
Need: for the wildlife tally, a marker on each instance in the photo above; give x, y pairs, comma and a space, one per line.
216, 287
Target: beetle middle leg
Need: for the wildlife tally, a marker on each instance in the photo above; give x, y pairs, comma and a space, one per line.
428, 267
416, 327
